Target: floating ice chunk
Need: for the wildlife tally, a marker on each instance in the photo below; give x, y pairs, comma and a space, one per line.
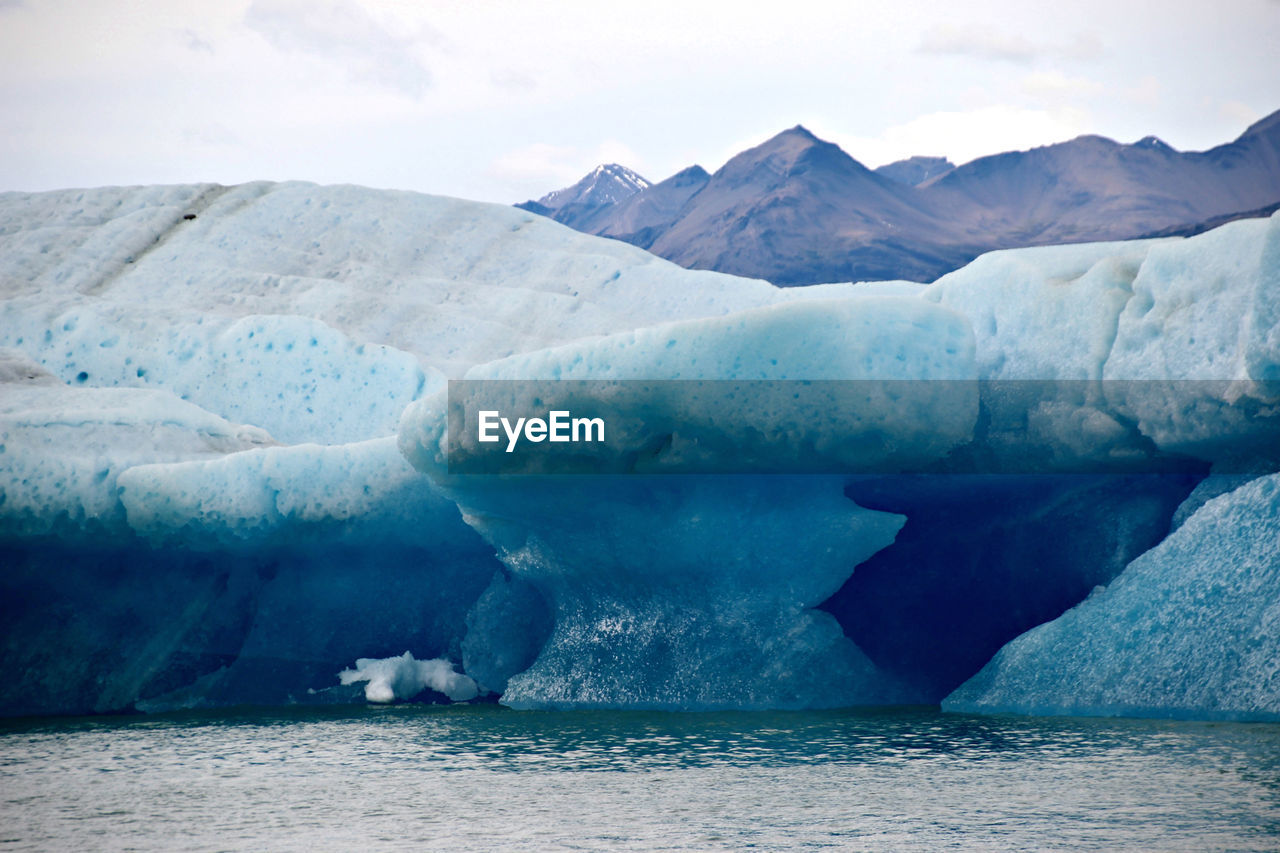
320, 312
403, 678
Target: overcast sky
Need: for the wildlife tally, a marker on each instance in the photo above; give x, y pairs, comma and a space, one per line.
503, 101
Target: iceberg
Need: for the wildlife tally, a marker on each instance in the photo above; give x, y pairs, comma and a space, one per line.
225, 462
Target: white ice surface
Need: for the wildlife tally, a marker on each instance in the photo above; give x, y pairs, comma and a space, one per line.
63, 449
317, 313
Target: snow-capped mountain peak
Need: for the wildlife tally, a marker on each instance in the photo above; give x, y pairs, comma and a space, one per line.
607, 183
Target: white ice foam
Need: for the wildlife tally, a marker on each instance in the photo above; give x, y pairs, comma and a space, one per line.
403, 677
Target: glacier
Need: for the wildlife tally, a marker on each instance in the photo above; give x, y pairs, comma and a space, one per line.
224, 470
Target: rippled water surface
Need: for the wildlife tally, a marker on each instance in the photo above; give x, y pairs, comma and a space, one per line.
486, 778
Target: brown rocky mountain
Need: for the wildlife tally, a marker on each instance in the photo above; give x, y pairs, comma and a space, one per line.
798, 210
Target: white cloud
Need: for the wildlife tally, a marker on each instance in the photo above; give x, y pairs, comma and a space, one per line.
541, 168
980, 42
446, 96
344, 33
987, 43
1054, 87
1146, 92
195, 42
209, 134
1240, 113
512, 80
1086, 45
536, 162
964, 136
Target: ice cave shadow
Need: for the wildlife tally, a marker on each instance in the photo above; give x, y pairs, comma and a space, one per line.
983, 558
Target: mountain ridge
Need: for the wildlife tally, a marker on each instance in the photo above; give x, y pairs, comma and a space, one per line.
797, 209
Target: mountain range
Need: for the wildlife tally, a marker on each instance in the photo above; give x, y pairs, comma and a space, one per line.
799, 210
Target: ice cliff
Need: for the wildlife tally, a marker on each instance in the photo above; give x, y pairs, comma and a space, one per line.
223, 475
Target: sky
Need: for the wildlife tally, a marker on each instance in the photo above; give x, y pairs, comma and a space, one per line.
504, 101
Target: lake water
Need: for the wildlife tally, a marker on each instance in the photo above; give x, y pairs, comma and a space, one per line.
488, 778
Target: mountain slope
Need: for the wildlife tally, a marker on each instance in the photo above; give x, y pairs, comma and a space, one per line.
636, 218
604, 186
1092, 188
607, 184
914, 171
798, 210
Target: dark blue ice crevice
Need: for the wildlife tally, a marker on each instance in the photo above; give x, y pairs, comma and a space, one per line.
983, 558
1190, 629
